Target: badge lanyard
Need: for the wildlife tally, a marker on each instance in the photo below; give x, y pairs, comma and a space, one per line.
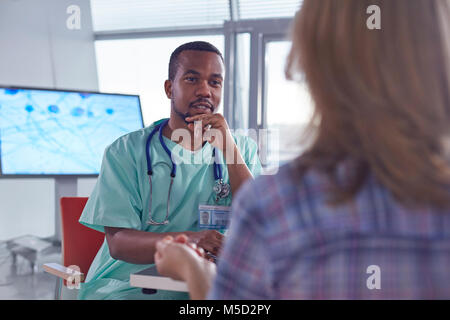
220, 188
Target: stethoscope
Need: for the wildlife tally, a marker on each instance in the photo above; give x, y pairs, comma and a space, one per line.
220, 188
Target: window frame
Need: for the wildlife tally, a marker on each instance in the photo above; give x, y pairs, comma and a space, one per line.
261, 31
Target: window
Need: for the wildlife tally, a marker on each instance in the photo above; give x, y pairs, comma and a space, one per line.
241, 81
288, 106
134, 40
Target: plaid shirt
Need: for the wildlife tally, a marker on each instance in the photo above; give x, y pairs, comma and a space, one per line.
285, 242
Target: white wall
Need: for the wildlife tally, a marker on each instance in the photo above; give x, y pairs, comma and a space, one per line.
38, 50
85, 186
27, 207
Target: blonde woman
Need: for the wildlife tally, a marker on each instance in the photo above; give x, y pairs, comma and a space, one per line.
365, 212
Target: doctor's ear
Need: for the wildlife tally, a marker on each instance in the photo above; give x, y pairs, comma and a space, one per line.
168, 88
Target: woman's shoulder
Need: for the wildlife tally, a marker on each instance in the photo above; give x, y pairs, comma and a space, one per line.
274, 186
286, 177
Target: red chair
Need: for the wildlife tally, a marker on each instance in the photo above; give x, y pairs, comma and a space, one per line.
79, 244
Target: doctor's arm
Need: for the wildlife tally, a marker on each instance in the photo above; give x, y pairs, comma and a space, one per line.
237, 169
139, 247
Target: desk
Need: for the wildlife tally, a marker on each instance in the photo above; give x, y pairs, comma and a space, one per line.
150, 279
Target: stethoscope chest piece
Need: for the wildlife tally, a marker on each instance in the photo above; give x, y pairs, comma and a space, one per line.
221, 189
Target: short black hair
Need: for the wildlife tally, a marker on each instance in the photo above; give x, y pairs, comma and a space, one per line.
195, 45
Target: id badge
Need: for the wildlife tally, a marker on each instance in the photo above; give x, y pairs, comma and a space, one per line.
213, 217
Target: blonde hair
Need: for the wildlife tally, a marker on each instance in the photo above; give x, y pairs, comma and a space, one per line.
382, 97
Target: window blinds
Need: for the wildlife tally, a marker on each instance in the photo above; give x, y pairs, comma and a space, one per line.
110, 15
263, 9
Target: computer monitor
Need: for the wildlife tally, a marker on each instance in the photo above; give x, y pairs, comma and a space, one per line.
61, 132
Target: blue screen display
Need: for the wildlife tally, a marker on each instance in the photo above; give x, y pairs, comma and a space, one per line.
61, 132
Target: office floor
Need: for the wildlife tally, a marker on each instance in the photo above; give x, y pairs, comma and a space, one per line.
19, 282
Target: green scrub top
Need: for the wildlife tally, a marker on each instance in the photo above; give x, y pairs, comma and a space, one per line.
121, 199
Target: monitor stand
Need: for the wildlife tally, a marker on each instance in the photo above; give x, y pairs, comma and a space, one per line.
64, 187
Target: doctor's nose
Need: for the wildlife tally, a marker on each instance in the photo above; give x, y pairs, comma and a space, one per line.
203, 89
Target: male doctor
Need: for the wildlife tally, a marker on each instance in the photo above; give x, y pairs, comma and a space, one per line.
151, 186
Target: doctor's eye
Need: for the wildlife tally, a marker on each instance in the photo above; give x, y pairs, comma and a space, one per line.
216, 83
190, 79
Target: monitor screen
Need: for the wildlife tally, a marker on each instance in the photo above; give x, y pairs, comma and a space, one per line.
55, 132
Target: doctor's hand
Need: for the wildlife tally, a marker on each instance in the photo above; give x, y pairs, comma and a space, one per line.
210, 240
212, 128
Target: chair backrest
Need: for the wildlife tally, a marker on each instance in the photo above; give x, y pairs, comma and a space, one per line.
79, 243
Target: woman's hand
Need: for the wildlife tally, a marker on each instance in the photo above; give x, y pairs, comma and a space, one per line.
182, 260
172, 255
